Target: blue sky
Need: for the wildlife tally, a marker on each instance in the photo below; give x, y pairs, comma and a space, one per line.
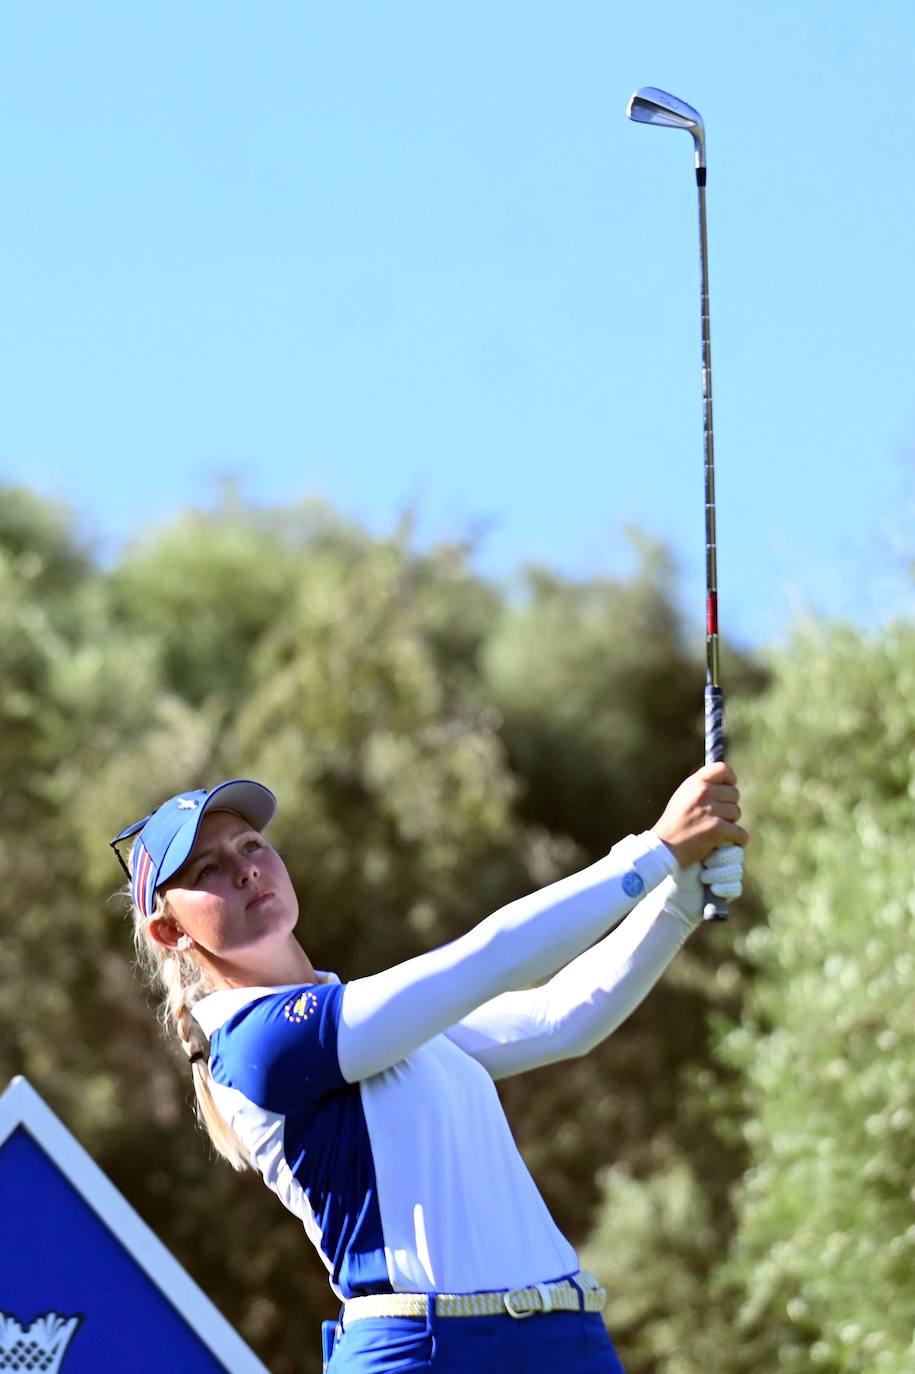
415, 254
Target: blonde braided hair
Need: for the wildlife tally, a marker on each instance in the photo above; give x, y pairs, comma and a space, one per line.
181, 982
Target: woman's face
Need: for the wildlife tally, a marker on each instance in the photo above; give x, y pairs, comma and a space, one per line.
233, 897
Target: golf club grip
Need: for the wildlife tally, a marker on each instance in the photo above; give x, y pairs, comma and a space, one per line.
714, 908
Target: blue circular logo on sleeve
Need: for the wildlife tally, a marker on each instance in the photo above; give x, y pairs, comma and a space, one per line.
633, 886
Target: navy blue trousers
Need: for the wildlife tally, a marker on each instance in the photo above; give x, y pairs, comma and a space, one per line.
554, 1343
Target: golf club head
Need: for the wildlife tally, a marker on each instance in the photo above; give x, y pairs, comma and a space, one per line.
651, 106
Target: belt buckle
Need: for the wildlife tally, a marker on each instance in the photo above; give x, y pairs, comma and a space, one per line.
512, 1311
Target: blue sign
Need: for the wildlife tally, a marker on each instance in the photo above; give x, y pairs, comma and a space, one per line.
85, 1285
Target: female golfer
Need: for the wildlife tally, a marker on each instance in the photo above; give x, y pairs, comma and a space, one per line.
369, 1107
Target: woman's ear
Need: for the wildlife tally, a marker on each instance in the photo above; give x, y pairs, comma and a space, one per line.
165, 932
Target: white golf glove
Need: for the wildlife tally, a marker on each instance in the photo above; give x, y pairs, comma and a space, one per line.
722, 871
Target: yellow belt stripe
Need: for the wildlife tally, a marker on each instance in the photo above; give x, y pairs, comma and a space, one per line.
565, 1296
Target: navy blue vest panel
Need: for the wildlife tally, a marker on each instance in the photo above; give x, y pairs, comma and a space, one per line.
281, 1053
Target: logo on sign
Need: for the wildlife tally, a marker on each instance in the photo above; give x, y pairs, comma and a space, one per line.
41, 1346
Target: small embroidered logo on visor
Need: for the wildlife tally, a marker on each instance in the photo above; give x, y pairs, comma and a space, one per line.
633, 886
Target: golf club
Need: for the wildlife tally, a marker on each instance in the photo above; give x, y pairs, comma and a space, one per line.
652, 106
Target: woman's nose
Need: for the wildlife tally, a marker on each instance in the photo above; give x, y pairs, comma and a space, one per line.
246, 870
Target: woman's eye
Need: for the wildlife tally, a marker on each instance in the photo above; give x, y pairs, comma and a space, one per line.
252, 845
205, 871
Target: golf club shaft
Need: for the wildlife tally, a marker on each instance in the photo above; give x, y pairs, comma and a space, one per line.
650, 105
714, 908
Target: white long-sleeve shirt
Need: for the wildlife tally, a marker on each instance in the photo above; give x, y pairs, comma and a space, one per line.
370, 1108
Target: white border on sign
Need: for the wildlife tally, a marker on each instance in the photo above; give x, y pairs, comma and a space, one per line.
20, 1105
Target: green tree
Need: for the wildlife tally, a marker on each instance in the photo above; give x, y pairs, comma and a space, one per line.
600, 695
76, 687
659, 1238
813, 1268
824, 1250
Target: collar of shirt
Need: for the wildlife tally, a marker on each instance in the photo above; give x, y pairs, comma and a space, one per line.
214, 1010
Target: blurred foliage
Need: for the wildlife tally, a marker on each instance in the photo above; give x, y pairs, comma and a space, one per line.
655, 1247
738, 1159
826, 1052
811, 1268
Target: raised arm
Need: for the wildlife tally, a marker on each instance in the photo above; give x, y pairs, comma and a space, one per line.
588, 999
385, 1017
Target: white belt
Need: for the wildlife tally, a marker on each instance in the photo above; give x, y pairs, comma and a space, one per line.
581, 1292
